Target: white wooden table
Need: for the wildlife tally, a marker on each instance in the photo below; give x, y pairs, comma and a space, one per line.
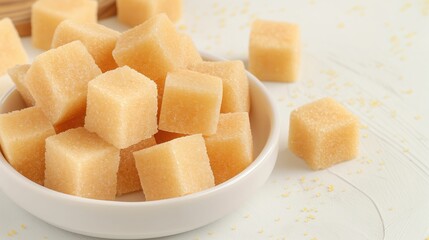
373, 56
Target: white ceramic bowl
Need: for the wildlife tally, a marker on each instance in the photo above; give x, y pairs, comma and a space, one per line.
127, 219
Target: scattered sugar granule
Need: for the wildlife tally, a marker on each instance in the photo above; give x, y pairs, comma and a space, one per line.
406, 6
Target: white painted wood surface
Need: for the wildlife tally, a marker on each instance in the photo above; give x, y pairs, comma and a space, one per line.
373, 56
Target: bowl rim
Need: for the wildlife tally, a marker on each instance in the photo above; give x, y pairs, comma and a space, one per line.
272, 140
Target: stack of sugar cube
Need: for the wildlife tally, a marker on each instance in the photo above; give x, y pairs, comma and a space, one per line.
102, 121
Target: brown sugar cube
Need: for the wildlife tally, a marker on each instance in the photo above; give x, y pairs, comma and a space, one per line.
163, 48
164, 136
82, 164
230, 150
98, 39
191, 56
17, 74
11, 50
58, 81
323, 133
127, 11
173, 8
234, 80
47, 14
76, 122
161, 168
22, 139
122, 107
191, 103
274, 51
128, 178
147, 9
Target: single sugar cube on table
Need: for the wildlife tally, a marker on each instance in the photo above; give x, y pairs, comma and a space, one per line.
98, 39
323, 133
46, 15
80, 163
234, 80
128, 178
18, 74
58, 81
191, 103
122, 107
22, 139
11, 50
230, 150
274, 51
147, 8
175, 168
154, 48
